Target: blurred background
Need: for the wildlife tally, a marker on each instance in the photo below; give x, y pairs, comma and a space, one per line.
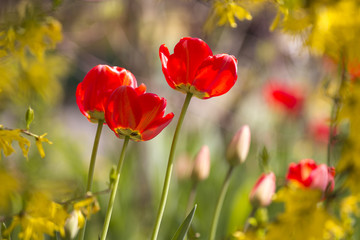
279, 94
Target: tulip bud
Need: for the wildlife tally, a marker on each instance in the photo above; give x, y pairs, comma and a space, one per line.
72, 225
263, 191
201, 167
183, 166
239, 146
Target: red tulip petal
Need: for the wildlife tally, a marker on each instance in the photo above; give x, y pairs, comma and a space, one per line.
164, 58
80, 96
127, 78
156, 127
301, 172
141, 89
123, 109
152, 107
98, 84
180, 67
320, 177
216, 75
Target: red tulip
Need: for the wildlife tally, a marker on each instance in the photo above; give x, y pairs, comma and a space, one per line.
263, 191
288, 99
192, 68
354, 70
309, 175
134, 113
92, 93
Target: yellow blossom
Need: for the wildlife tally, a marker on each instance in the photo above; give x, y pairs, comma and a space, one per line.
6, 139
249, 235
304, 217
348, 163
224, 12
32, 32
9, 186
327, 27
40, 216
27, 71
87, 206
39, 141
349, 208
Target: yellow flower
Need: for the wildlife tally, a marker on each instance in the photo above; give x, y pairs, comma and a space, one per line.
6, 139
349, 163
228, 10
9, 186
87, 207
224, 12
336, 30
304, 217
39, 141
26, 70
40, 216
327, 27
349, 208
239, 235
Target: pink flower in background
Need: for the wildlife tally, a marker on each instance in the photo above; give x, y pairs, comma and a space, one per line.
308, 174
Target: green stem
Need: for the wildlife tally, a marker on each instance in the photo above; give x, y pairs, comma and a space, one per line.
169, 168
114, 190
335, 108
93, 156
220, 203
192, 196
91, 168
247, 223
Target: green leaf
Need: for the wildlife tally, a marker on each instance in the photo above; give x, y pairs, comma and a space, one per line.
184, 227
264, 159
3, 228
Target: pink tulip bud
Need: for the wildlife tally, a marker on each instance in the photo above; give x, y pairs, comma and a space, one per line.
201, 168
183, 166
239, 146
263, 191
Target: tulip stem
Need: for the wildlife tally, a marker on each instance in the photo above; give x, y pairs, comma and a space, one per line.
192, 196
251, 215
335, 109
165, 190
114, 190
220, 202
91, 168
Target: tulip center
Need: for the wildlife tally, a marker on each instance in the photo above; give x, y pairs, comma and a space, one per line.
95, 116
188, 88
133, 134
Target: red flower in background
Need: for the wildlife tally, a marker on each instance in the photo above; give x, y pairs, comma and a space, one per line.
192, 68
92, 93
320, 130
288, 99
354, 70
134, 113
308, 174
